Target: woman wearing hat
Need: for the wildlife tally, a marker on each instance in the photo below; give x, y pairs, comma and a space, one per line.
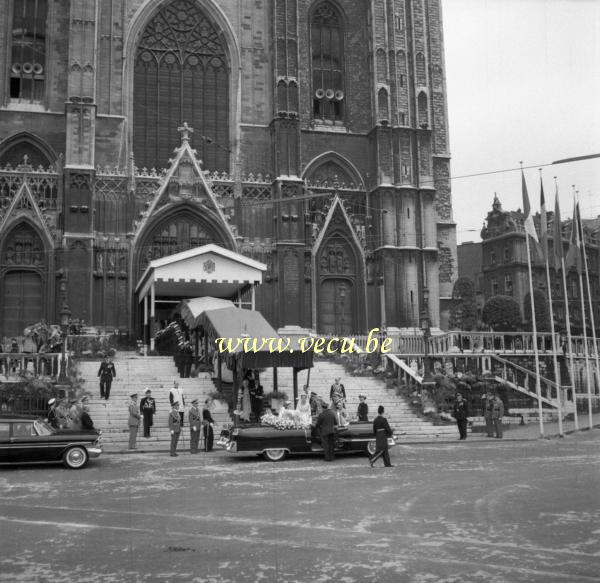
362, 412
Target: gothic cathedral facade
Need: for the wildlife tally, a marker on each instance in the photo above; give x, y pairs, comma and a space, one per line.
320, 127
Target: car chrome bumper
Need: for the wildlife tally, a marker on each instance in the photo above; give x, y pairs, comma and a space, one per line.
94, 451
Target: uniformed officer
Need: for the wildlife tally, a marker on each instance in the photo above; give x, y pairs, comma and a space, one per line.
382, 430
107, 373
134, 420
174, 427
195, 420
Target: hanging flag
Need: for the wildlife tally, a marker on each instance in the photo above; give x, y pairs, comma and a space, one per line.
528, 221
543, 223
574, 253
557, 235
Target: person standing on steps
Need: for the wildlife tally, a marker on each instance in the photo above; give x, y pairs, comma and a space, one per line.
107, 373
488, 404
176, 395
148, 409
382, 430
174, 427
195, 423
134, 421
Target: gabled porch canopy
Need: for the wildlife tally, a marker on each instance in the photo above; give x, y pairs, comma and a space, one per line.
209, 270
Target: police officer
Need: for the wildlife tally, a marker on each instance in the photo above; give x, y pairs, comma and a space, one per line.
382, 430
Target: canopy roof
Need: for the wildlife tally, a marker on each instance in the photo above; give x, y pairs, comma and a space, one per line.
251, 326
209, 270
191, 309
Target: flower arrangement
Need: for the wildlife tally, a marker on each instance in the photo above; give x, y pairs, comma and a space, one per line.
283, 423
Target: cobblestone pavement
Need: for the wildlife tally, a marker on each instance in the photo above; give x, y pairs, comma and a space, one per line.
506, 511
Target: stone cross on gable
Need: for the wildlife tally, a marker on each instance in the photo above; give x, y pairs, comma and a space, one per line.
185, 130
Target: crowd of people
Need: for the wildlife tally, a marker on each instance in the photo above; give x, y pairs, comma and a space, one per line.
64, 413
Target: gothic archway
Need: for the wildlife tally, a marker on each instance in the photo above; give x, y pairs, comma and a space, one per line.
181, 73
24, 277
339, 277
26, 148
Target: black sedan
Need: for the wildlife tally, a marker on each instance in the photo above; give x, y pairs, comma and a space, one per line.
25, 439
276, 444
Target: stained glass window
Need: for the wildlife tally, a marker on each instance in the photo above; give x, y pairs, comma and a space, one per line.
181, 74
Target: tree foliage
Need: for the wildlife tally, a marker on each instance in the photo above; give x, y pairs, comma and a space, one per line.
463, 311
502, 314
542, 311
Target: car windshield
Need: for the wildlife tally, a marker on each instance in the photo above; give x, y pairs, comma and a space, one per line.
43, 428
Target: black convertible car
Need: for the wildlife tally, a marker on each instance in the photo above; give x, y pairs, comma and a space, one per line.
276, 444
26, 439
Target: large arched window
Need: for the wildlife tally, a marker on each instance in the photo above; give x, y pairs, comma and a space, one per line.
327, 49
181, 74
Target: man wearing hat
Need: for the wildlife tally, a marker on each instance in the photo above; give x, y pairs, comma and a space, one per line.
174, 427
107, 373
362, 412
86, 421
52, 418
382, 430
148, 409
195, 420
134, 420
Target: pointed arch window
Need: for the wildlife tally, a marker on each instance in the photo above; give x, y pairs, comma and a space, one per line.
181, 74
28, 51
327, 49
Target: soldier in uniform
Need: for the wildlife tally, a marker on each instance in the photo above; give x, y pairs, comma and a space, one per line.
107, 373
148, 409
497, 414
134, 420
382, 430
195, 420
487, 413
174, 427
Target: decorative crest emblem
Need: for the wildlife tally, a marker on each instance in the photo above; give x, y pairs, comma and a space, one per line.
208, 266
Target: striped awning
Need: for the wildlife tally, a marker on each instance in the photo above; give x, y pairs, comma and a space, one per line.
251, 342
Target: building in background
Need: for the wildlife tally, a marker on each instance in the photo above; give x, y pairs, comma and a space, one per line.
503, 264
319, 148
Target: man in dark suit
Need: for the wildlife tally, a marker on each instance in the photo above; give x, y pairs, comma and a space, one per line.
326, 423
382, 430
461, 413
106, 373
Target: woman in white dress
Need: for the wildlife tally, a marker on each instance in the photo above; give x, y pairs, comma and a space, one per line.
246, 403
303, 410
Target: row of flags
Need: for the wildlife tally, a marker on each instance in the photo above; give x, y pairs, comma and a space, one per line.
574, 253
576, 256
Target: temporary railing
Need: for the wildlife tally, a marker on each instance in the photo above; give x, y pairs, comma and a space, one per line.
13, 364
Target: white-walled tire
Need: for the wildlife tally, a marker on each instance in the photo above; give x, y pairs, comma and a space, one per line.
275, 455
371, 447
75, 457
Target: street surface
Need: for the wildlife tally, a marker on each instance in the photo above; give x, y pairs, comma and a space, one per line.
494, 511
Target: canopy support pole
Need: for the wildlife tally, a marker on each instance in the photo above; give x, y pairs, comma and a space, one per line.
152, 314
295, 377
146, 332
254, 296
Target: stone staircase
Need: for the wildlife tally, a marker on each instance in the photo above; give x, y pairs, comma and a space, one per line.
398, 412
135, 374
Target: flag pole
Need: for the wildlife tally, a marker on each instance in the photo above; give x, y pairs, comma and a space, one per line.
544, 233
538, 388
592, 323
586, 355
558, 252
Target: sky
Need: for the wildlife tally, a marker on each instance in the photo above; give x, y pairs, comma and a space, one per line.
523, 83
